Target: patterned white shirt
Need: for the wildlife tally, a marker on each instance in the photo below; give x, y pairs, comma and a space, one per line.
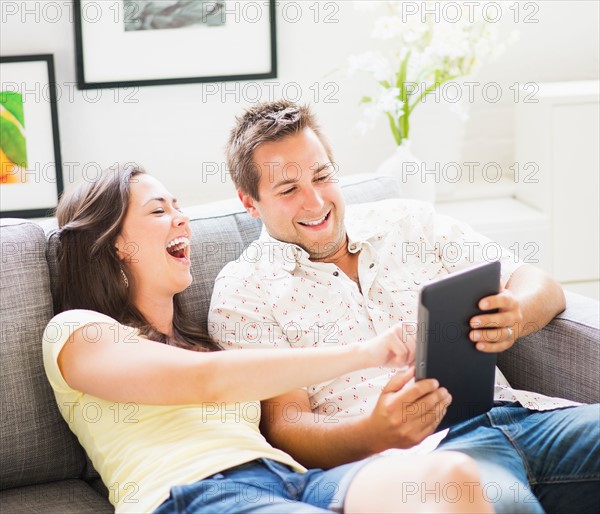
273, 296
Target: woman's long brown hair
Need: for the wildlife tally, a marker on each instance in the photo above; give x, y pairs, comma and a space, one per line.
90, 217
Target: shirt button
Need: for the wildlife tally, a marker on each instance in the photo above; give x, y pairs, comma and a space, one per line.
372, 265
371, 305
417, 282
353, 246
336, 273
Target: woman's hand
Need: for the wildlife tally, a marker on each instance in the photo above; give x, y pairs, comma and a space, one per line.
395, 348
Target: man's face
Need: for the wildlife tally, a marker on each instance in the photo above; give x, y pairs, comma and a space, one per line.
300, 199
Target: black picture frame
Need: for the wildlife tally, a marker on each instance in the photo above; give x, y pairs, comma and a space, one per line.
39, 185
84, 65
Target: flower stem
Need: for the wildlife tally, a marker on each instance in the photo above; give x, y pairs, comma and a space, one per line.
395, 131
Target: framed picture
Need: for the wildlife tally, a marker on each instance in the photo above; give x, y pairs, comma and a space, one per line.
30, 161
125, 43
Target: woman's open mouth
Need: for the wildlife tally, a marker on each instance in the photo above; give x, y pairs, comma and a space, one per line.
178, 248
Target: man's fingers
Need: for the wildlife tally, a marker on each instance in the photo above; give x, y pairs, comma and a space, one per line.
499, 319
502, 300
494, 335
417, 391
426, 414
493, 345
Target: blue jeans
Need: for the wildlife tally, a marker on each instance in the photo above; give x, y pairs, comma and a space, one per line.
265, 486
534, 461
529, 462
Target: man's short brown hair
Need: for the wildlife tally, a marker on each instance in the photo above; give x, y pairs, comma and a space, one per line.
265, 122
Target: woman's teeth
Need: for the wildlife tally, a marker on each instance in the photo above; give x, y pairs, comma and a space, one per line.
177, 245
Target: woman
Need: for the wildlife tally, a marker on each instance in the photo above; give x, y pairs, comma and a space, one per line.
177, 430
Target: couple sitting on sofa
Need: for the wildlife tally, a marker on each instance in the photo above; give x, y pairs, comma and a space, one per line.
190, 441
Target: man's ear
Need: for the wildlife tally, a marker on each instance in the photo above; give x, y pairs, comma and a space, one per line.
249, 204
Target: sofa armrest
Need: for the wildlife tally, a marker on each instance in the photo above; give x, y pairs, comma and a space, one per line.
563, 358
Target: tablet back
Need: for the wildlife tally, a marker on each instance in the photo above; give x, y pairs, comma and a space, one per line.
444, 350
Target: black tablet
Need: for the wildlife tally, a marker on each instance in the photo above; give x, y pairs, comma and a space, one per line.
444, 350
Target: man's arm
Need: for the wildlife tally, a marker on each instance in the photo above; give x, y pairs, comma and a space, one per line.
529, 302
402, 418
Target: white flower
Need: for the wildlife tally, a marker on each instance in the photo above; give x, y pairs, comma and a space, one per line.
431, 49
370, 62
389, 101
387, 28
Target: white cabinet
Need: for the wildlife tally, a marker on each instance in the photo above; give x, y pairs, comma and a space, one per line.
560, 136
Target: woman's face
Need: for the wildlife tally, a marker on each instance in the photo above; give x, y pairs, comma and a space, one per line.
154, 242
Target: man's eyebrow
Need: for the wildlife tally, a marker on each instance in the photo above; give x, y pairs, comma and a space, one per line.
322, 167
284, 182
159, 199
288, 181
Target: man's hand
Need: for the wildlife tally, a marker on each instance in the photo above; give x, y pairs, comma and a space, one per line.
405, 416
498, 331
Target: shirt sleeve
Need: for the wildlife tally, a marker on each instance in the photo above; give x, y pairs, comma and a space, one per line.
459, 246
57, 334
239, 317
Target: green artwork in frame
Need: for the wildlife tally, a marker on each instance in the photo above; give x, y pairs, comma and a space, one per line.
13, 147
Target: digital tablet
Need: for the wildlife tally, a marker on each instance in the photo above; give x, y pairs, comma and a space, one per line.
444, 350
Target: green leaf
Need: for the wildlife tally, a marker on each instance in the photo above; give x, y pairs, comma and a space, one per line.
13, 142
365, 100
13, 103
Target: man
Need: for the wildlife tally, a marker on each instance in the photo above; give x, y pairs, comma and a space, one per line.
323, 274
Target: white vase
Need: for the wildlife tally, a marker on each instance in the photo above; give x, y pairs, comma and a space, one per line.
410, 173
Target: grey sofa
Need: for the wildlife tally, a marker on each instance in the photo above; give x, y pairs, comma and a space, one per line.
43, 468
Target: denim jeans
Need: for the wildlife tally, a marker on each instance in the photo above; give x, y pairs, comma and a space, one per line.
530, 462
264, 486
534, 461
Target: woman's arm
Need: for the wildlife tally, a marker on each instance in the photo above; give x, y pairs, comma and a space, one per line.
142, 371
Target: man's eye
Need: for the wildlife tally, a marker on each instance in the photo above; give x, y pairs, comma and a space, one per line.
288, 191
158, 211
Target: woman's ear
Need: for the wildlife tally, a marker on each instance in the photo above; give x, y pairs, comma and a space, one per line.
121, 248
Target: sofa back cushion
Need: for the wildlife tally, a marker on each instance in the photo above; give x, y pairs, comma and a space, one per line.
37, 446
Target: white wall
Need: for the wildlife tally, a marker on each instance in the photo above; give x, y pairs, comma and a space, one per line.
175, 132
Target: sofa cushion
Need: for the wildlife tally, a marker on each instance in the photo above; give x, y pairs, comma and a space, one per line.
63, 497
37, 446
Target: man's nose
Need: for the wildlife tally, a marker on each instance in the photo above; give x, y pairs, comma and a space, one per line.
313, 200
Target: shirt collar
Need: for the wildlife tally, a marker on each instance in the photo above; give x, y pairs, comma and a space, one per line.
284, 255
289, 255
